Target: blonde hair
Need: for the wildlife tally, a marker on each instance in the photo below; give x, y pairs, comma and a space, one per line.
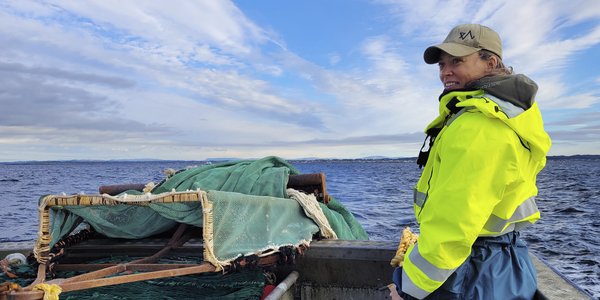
500, 68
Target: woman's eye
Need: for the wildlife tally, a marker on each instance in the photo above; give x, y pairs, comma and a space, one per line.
456, 60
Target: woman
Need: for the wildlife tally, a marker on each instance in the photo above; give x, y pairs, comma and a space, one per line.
478, 187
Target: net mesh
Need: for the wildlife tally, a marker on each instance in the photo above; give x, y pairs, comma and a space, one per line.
243, 225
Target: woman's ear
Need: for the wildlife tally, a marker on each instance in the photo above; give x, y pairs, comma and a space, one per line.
492, 63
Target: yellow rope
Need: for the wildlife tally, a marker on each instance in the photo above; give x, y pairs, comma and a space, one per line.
407, 239
51, 291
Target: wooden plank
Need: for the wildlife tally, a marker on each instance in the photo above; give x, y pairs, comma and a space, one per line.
87, 284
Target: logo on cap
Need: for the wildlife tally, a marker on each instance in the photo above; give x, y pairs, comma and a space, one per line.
464, 35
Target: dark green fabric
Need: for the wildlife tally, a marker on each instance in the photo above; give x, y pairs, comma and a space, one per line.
116, 221
343, 222
264, 177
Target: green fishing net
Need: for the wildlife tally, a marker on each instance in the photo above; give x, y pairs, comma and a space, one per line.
263, 177
239, 224
252, 212
244, 210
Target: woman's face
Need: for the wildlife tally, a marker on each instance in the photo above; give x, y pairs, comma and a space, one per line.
456, 72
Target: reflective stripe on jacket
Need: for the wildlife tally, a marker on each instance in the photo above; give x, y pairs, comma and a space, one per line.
479, 180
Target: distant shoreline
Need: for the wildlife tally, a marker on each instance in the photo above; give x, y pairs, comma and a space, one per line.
219, 160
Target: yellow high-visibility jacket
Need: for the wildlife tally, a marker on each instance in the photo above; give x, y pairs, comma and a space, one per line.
479, 180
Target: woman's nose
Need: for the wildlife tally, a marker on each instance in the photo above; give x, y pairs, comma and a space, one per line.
445, 70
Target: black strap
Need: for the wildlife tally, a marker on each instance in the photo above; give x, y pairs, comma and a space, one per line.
432, 133
423, 156
451, 105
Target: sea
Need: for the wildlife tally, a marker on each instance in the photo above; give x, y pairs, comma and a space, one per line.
377, 191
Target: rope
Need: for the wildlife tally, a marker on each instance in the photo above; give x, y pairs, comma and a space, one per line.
105, 199
208, 235
407, 239
51, 291
313, 210
148, 187
9, 286
42, 245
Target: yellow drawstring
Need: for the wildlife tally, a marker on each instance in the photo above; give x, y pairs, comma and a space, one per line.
51, 291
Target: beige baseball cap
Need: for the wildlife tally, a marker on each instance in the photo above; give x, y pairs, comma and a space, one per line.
464, 40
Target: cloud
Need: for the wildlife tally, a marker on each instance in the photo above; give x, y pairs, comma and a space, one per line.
178, 26
163, 47
379, 97
441, 15
393, 139
202, 77
554, 94
16, 69
557, 53
334, 59
576, 122
49, 110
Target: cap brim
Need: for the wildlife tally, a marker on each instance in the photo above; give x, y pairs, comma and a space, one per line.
432, 54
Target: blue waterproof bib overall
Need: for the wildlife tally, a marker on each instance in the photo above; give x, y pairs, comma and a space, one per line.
498, 268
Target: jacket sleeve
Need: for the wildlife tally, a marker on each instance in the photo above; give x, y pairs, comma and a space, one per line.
475, 162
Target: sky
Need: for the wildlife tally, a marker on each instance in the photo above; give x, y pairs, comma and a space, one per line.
195, 80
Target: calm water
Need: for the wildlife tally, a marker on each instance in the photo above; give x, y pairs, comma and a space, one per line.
378, 192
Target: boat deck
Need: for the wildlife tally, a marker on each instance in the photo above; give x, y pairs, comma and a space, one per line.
330, 269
